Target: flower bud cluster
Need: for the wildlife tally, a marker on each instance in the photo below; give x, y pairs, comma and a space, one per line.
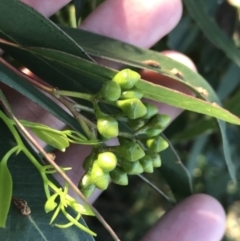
133, 155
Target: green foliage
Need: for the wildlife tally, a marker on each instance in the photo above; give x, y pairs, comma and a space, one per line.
5, 191
112, 107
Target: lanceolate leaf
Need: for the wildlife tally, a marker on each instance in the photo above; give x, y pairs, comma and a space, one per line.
26, 26
5, 192
13, 80
212, 31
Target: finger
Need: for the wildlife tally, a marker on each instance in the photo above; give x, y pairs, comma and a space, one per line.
138, 22
199, 218
46, 7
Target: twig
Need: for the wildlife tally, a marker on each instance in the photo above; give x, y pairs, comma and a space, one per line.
155, 188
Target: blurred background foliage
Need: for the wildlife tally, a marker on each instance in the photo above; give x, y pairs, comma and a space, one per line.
133, 209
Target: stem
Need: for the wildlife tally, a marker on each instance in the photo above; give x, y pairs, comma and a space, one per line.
39, 167
75, 222
7, 121
126, 134
8, 154
3, 41
85, 108
84, 122
79, 95
155, 188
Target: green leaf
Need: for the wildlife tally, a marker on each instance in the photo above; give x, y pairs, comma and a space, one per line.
29, 27
28, 185
16, 82
5, 193
183, 101
211, 30
233, 103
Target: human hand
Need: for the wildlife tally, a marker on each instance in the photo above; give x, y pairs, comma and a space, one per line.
141, 23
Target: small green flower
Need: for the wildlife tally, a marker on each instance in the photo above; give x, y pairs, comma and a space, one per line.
50, 204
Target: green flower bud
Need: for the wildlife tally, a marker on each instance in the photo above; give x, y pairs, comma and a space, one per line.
88, 161
119, 176
157, 144
133, 108
136, 124
50, 204
107, 161
132, 168
129, 150
151, 110
87, 191
159, 121
86, 185
103, 182
54, 139
151, 132
107, 127
156, 159
110, 91
147, 164
99, 177
126, 78
131, 94
86, 180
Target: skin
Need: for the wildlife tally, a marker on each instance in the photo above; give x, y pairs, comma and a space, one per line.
141, 23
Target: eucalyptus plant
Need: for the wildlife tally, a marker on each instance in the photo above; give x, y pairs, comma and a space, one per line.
100, 103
